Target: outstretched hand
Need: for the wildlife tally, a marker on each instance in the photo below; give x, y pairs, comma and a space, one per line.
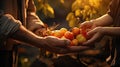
88, 24
97, 34
61, 46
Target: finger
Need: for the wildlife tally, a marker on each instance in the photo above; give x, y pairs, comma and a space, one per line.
38, 32
57, 42
85, 25
91, 32
71, 49
77, 48
63, 43
56, 49
93, 26
92, 40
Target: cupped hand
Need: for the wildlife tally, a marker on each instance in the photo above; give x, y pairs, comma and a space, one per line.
97, 34
57, 42
88, 24
37, 27
68, 49
62, 46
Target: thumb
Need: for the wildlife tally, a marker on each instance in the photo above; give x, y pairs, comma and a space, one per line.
91, 32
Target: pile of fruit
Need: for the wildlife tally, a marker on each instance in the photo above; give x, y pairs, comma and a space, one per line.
76, 35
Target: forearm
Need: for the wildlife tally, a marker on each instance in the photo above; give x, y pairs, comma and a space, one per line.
112, 31
104, 20
27, 36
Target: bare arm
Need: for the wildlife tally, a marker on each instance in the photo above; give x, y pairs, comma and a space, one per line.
27, 36
11, 28
98, 29
50, 43
111, 31
104, 20
99, 32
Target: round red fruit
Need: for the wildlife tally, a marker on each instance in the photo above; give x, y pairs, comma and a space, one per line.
84, 32
76, 31
69, 35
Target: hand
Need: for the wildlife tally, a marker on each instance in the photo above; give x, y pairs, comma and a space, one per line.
41, 31
97, 34
57, 45
37, 27
88, 24
49, 43
68, 49
57, 42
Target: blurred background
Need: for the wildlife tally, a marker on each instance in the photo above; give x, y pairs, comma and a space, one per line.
63, 13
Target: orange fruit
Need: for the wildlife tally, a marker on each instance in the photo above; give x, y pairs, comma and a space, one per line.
69, 35
76, 31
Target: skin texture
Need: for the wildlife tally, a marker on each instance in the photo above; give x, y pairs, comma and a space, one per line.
99, 28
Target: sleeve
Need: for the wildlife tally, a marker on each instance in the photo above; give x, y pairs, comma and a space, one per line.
8, 26
32, 17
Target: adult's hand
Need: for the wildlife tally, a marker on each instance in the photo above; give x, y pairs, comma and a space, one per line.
96, 33
38, 28
58, 45
88, 24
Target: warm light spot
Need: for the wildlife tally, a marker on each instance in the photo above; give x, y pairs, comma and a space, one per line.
62, 1
25, 59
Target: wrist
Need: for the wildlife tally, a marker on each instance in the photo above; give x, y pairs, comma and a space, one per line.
103, 30
107, 31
